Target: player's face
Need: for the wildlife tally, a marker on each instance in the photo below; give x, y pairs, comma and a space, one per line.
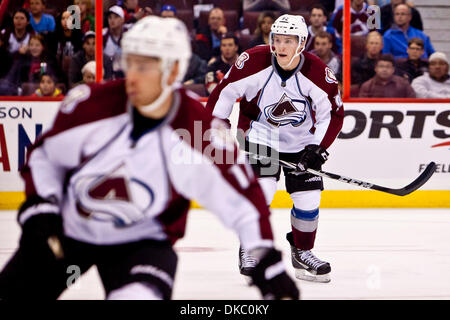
143, 79
285, 47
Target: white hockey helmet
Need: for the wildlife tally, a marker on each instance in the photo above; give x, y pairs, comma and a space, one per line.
292, 25
164, 38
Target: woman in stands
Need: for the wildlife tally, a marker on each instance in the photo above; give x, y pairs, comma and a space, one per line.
65, 42
262, 31
17, 37
29, 66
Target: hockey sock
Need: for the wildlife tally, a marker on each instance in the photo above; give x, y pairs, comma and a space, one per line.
304, 225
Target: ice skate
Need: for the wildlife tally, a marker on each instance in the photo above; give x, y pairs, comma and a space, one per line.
307, 266
246, 263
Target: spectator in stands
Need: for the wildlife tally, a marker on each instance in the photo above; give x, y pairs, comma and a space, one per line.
168, 11
65, 41
387, 15
207, 41
47, 87
322, 48
133, 12
86, 16
262, 31
363, 68
436, 83
396, 38
29, 67
219, 66
19, 36
359, 15
86, 54
413, 66
89, 72
318, 21
112, 37
262, 5
196, 70
40, 21
385, 84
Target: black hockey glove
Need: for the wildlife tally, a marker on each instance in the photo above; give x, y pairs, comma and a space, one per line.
43, 230
313, 156
42, 226
271, 278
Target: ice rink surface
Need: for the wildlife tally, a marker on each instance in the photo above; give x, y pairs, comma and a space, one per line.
374, 254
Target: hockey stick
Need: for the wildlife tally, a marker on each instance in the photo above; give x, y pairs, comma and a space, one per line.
416, 184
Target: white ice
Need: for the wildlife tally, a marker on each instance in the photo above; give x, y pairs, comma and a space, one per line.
374, 254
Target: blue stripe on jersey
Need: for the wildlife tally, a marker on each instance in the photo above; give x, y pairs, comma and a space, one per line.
301, 93
308, 215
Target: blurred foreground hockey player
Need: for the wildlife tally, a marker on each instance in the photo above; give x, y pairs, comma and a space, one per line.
291, 109
109, 184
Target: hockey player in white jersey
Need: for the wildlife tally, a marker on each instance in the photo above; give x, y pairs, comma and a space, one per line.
109, 184
291, 109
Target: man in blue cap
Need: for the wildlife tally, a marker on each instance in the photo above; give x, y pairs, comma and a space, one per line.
168, 11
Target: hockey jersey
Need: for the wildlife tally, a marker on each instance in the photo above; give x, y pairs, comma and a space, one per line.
114, 184
284, 114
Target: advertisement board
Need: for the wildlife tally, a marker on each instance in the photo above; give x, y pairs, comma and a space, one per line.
384, 143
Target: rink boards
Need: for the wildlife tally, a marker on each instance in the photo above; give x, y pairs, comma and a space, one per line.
384, 143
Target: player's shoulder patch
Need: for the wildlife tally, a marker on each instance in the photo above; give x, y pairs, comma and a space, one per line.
74, 97
329, 76
240, 61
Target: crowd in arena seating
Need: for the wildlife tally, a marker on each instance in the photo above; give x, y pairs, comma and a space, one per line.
45, 51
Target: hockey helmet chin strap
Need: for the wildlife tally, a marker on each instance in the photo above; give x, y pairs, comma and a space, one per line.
166, 68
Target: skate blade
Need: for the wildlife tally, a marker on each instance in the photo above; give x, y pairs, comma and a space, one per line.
302, 274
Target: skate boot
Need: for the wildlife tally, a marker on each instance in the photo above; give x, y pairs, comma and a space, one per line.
307, 266
246, 264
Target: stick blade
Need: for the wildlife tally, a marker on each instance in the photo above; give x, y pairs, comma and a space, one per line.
420, 181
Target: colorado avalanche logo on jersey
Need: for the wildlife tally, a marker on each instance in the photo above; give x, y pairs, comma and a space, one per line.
240, 61
329, 76
113, 197
286, 111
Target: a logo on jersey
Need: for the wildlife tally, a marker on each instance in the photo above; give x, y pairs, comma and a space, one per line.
329, 76
74, 97
286, 111
241, 60
114, 197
